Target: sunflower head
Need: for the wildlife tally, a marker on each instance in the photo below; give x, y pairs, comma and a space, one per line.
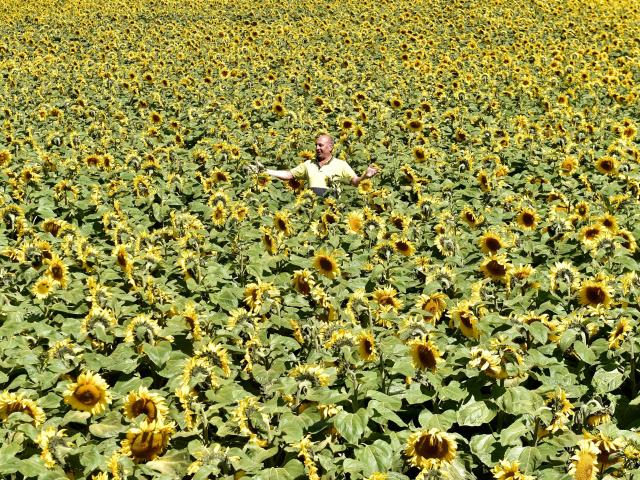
367, 347
15, 402
148, 441
152, 405
430, 449
425, 354
496, 268
326, 264
89, 393
607, 165
595, 293
527, 218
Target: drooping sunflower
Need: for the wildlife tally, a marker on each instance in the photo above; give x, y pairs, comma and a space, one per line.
89, 393
487, 362
496, 267
145, 402
434, 305
463, 317
218, 356
527, 218
584, 465
303, 282
471, 218
430, 449
11, 402
123, 259
313, 374
425, 354
628, 240
49, 440
367, 347
148, 441
326, 264
269, 240
563, 273
282, 222
619, 333
595, 293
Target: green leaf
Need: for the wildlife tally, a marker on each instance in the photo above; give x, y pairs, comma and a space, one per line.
474, 414
584, 352
173, 464
519, 401
606, 381
512, 434
482, 446
351, 426
158, 353
110, 426
376, 457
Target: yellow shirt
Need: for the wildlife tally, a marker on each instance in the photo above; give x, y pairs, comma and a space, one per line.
335, 169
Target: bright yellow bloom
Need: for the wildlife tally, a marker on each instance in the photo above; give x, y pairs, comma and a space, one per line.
89, 393
430, 449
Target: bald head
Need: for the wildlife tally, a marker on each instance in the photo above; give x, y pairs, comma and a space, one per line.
324, 147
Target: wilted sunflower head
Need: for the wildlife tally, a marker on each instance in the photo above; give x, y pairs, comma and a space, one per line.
148, 441
11, 402
429, 449
145, 402
89, 393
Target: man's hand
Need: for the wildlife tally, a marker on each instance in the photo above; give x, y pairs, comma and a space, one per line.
255, 167
372, 169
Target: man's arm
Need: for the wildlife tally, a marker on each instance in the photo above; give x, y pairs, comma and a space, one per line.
281, 174
371, 171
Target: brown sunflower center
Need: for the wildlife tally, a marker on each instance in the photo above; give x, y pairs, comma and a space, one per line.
606, 165
56, 272
146, 406
528, 219
326, 265
429, 447
87, 394
427, 358
493, 244
147, 445
496, 269
595, 295
367, 346
465, 319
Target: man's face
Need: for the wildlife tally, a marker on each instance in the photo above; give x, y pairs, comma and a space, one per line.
324, 147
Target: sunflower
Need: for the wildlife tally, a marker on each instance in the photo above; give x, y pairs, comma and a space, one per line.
415, 125
484, 181
496, 268
561, 408
628, 240
89, 393
367, 347
269, 241
506, 470
355, 222
282, 223
434, 304
279, 109
487, 362
326, 264
395, 102
568, 165
563, 273
594, 293
123, 259
403, 246
386, 299
527, 218
148, 441
609, 222
303, 282
57, 271
607, 165
490, 243
313, 374
419, 154
144, 402
470, 217
155, 118
49, 440
43, 287
430, 449
218, 356
425, 354
462, 315
620, 333
15, 402
584, 465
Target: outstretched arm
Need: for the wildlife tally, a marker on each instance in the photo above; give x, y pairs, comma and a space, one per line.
281, 174
371, 171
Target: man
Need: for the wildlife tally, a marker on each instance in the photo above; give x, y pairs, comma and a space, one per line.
324, 170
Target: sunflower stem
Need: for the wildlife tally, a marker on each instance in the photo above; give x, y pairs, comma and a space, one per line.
634, 390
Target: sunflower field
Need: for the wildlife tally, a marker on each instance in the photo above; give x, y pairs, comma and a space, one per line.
167, 310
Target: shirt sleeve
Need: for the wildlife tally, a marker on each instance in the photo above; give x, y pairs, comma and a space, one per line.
347, 172
300, 170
